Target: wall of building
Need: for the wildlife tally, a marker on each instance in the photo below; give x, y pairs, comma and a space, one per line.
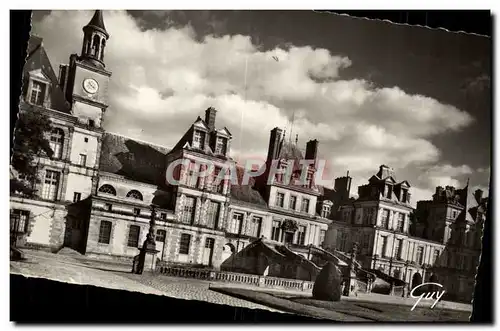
47, 222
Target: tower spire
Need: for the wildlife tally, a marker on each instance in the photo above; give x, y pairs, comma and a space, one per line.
94, 40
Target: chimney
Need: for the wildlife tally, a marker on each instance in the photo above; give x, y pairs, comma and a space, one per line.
312, 149
274, 143
384, 172
210, 118
478, 194
343, 187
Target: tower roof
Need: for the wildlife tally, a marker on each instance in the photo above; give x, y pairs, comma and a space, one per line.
97, 22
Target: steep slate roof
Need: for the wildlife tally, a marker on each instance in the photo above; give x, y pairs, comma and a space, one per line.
37, 59
246, 194
138, 161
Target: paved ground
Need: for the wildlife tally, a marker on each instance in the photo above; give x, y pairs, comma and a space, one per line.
75, 268
78, 270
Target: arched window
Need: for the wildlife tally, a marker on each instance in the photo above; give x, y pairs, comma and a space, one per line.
103, 44
96, 44
134, 194
108, 189
56, 142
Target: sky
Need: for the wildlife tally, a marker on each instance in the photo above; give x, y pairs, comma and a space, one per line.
372, 92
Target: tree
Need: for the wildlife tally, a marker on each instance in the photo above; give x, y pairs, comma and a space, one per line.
30, 142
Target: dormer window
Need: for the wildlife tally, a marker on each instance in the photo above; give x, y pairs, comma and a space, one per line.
220, 146
389, 191
404, 196
37, 93
325, 211
199, 139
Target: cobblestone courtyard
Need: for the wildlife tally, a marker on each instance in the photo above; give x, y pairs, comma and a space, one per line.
77, 270
73, 268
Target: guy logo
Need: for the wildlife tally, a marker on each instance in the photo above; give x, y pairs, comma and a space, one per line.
427, 295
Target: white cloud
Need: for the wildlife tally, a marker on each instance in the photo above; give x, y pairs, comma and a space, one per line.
163, 79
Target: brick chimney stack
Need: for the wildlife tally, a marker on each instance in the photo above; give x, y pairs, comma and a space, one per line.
210, 118
312, 149
274, 144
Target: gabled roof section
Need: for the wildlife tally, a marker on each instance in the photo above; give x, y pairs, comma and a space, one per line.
37, 59
389, 179
224, 131
404, 183
135, 160
200, 123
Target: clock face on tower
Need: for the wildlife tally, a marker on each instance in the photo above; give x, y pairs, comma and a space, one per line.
90, 85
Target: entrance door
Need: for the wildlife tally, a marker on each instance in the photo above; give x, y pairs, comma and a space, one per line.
289, 237
208, 251
160, 242
76, 233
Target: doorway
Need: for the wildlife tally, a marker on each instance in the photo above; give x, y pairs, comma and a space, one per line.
208, 251
160, 241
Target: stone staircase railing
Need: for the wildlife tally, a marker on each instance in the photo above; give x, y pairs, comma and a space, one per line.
232, 277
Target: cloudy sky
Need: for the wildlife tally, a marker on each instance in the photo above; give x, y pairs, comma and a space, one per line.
371, 92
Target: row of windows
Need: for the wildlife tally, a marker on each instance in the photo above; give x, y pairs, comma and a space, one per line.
250, 227
108, 189
397, 250
133, 235
210, 219
288, 237
292, 203
199, 138
192, 179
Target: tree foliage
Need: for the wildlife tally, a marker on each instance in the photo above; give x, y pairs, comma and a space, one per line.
30, 142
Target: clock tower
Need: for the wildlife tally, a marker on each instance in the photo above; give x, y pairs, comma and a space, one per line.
85, 80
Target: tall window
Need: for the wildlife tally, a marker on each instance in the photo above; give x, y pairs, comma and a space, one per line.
435, 257
56, 142
108, 189
366, 240
280, 197
253, 225
133, 236
217, 183
401, 222
220, 146
192, 178
83, 160
322, 234
212, 214
293, 202
234, 225
367, 215
276, 231
161, 235
305, 205
301, 235
184, 243
384, 246
345, 215
77, 196
199, 139
397, 248
325, 211
38, 93
385, 219
343, 241
188, 211
389, 191
21, 218
105, 232
50, 185
420, 255
134, 194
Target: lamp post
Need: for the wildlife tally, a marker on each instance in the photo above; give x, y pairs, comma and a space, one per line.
149, 246
405, 289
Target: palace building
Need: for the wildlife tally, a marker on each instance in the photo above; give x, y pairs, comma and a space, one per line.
439, 241
95, 193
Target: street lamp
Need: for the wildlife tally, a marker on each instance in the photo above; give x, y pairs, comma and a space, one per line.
149, 246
